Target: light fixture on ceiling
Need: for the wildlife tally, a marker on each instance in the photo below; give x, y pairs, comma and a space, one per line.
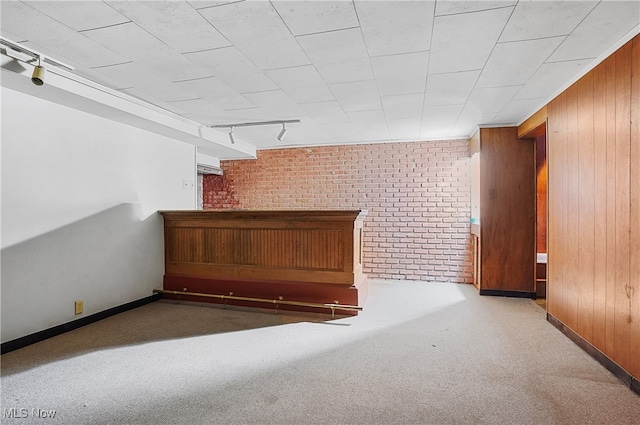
233, 140
283, 132
37, 77
27, 55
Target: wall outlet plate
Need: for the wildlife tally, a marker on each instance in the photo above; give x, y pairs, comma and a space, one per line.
79, 305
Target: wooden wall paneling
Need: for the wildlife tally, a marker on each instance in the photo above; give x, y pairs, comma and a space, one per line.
572, 195
600, 206
634, 233
552, 203
586, 208
623, 140
507, 205
557, 137
610, 88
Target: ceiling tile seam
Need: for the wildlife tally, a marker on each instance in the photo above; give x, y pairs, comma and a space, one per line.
328, 31
209, 50
184, 100
281, 18
473, 88
457, 72
533, 39
426, 79
398, 54
540, 66
106, 26
113, 64
215, 5
572, 60
375, 81
466, 102
474, 11
194, 79
211, 24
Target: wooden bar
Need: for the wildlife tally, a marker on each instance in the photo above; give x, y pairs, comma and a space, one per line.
305, 256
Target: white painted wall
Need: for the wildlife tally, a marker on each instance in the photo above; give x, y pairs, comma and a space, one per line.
80, 195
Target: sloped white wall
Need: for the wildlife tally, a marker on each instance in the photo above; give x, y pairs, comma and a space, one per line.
80, 195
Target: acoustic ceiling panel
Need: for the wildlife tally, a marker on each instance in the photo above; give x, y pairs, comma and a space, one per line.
339, 56
255, 28
176, 24
401, 74
464, 42
316, 16
389, 29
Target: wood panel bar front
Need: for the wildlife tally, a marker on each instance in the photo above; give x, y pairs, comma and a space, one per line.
297, 255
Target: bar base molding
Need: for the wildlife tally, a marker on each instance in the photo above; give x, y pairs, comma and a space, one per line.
303, 292
628, 379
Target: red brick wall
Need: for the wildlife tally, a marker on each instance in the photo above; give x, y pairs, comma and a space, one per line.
417, 194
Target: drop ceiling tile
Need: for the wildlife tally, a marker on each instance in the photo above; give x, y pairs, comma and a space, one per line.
177, 24
325, 112
131, 74
339, 56
233, 68
301, 83
456, 7
341, 133
538, 19
606, 24
357, 96
275, 102
390, 29
198, 106
214, 91
518, 110
401, 74
450, 89
49, 36
255, 28
464, 42
152, 100
469, 120
232, 116
317, 16
550, 77
440, 116
371, 125
403, 114
134, 43
79, 15
514, 63
491, 100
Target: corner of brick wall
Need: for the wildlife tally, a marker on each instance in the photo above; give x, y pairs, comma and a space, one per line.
417, 195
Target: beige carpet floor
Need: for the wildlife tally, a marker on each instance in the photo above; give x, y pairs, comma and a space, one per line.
420, 353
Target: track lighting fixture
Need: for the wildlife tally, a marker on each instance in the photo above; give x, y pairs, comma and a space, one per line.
27, 55
282, 133
233, 140
37, 77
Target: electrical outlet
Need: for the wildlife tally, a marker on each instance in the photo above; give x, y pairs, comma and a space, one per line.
79, 307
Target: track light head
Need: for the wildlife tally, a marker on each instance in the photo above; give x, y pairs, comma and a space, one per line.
37, 77
231, 138
282, 133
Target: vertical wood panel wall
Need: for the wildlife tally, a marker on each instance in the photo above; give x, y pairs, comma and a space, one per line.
507, 212
594, 207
